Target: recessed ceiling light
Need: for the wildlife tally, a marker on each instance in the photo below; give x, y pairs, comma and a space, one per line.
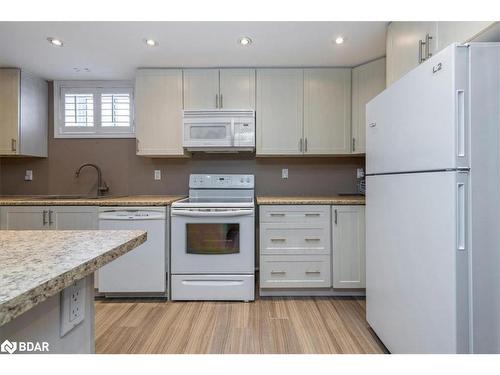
339, 40
245, 41
151, 42
55, 42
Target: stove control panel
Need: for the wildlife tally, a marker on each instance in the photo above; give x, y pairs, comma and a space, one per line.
221, 181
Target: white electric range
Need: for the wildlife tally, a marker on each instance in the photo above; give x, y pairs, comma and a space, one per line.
213, 239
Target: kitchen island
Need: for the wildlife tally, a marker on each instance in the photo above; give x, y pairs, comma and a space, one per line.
46, 286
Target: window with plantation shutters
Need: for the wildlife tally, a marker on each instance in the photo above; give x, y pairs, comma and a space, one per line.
93, 109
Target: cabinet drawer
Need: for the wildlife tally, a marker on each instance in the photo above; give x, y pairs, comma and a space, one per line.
295, 213
294, 239
295, 271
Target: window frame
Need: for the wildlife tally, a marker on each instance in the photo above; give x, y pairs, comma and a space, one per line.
96, 88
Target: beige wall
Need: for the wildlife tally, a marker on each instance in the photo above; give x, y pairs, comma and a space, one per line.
127, 173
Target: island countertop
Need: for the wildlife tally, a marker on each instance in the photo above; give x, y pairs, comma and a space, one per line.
130, 200
35, 265
334, 199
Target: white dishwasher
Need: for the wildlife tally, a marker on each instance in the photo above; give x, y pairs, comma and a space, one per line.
142, 271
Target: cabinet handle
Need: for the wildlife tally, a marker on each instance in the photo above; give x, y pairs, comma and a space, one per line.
50, 218
278, 272
300, 144
278, 239
216, 100
305, 145
428, 52
312, 239
309, 215
421, 57
335, 216
353, 144
315, 272
13, 144
277, 214
221, 101
44, 217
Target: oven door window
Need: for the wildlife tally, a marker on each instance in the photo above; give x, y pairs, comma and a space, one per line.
212, 239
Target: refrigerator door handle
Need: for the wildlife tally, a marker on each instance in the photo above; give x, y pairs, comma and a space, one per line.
460, 119
461, 216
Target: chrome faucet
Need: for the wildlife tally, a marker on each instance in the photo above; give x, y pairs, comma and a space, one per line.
102, 187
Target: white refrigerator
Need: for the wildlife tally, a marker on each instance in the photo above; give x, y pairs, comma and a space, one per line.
433, 205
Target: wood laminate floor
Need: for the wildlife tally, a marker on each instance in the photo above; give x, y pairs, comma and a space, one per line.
269, 325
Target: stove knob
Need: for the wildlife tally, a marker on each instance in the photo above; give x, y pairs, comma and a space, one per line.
248, 180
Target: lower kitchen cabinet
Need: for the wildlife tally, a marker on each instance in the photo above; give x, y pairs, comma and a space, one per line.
48, 217
311, 249
348, 257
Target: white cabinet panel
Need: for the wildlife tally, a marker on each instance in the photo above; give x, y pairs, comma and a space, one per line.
295, 271
201, 88
9, 110
279, 111
295, 238
306, 214
73, 218
158, 112
327, 111
348, 246
368, 80
24, 218
403, 46
237, 88
459, 31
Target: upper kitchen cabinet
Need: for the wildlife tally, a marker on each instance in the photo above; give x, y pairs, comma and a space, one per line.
201, 88
23, 114
411, 43
219, 89
408, 44
279, 109
158, 112
368, 80
237, 88
327, 111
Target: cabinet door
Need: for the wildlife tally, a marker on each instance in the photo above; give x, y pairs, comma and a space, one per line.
24, 218
327, 111
201, 88
73, 218
158, 112
368, 81
403, 46
279, 111
237, 88
9, 111
459, 31
348, 246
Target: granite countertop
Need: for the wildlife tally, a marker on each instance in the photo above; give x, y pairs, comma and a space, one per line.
132, 200
36, 265
333, 199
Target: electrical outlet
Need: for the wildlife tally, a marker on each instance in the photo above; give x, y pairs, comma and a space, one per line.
28, 175
284, 173
157, 174
72, 306
360, 173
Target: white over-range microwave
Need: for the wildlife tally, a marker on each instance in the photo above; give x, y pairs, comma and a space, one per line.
219, 130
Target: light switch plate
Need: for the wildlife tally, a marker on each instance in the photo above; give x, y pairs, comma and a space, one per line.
28, 175
284, 173
157, 174
360, 173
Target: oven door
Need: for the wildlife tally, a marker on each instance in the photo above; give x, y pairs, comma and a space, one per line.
209, 242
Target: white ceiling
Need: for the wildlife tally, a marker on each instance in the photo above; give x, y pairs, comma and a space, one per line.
113, 50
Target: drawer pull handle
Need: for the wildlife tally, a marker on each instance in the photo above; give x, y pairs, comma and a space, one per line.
312, 214
313, 272
278, 272
278, 239
313, 239
277, 214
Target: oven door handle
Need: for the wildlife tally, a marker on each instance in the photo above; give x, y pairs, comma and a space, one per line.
232, 213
